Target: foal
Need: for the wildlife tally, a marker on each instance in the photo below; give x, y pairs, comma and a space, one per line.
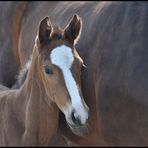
29, 115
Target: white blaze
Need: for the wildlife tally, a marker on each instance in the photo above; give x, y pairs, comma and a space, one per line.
62, 57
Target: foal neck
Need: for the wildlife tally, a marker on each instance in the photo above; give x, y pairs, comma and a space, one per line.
33, 81
41, 118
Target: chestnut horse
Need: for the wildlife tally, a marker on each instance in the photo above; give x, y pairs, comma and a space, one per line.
113, 45
29, 115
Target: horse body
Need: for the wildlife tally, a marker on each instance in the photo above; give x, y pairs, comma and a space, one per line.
117, 73
113, 46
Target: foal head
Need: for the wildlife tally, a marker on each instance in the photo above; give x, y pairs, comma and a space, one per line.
61, 70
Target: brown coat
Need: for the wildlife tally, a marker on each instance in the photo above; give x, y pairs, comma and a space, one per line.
114, 48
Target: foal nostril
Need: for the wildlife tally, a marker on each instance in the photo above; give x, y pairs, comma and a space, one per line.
75, 120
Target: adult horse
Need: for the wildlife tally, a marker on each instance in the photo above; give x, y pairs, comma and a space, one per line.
114, 48
29, 115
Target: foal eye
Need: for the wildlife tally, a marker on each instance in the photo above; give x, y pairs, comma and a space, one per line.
48, 70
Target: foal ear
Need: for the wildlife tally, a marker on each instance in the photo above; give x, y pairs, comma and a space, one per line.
45, 29
73, 29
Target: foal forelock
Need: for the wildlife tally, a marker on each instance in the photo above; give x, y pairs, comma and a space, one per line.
62, 57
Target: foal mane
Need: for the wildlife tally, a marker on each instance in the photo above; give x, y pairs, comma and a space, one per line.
21, 76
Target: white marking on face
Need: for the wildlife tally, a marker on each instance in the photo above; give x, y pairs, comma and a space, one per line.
62, 57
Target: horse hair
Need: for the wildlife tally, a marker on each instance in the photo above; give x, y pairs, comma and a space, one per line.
20, 78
